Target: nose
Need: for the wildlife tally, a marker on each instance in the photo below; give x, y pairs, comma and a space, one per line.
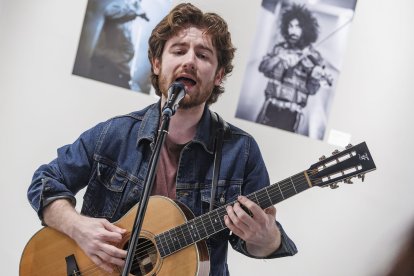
189, 62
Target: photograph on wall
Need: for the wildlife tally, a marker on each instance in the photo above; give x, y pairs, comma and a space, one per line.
113, 43
293, 68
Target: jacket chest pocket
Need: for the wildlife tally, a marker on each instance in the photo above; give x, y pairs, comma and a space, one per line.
105, 190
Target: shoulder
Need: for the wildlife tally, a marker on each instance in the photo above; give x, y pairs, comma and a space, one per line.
230, 129
135, 116
234, 130
238, 135
118, 125
280, 47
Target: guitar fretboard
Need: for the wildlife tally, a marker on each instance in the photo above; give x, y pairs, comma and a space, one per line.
212, 222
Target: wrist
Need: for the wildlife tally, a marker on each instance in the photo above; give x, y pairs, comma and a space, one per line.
61, 215
265, 249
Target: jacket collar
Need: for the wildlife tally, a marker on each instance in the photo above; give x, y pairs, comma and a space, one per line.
150, 123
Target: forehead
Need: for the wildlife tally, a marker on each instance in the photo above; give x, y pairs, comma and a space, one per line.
192, 35
294, 22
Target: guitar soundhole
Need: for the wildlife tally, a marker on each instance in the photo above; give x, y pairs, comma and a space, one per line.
145, 257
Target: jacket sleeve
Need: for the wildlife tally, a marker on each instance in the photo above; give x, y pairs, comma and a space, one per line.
67, 174
256, 177
122, 12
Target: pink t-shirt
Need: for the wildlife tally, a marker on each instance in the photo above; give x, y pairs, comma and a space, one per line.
164, 183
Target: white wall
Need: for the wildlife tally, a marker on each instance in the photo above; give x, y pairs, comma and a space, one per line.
354, 230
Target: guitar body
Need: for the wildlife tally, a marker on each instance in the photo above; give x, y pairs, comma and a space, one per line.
47, 251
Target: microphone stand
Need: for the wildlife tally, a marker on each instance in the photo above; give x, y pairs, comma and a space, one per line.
149, 181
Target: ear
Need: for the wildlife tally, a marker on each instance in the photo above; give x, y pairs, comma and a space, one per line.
219, 77
156, 64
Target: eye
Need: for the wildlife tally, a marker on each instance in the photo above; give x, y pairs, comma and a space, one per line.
203, 55
178, 52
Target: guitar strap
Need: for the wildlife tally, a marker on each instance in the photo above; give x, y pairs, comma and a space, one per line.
221, 129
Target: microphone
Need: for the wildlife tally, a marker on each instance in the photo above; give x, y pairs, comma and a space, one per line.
176, 93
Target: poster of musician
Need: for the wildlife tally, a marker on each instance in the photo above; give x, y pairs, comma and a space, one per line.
114, 41
292, 71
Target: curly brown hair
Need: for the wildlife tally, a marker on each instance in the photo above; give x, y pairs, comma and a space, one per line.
307, 22
182, 16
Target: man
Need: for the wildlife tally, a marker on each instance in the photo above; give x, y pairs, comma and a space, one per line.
110, 61
295, 70
403, 264
112, 158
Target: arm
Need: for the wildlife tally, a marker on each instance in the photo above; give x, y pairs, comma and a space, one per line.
52, 195
317, 73
259, 236
124, 12
270, 61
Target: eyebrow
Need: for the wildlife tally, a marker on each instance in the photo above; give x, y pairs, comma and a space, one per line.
198, 46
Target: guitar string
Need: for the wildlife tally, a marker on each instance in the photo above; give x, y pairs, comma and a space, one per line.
282, 184
270, 191
199, 221
210, 227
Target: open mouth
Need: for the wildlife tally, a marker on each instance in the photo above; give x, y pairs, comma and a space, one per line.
187, 81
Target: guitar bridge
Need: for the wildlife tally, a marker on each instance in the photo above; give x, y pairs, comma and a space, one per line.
71, 266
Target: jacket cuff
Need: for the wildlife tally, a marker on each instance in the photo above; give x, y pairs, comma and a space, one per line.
286, 248
48, 196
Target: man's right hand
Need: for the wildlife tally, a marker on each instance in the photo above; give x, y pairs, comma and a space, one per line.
289, 59
96, 237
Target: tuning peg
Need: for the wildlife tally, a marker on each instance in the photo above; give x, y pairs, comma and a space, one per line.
335, 152
349, 146
362, 176
348, 181
334, 185
323, 157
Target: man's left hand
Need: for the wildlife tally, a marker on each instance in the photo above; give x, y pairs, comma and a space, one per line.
258, 229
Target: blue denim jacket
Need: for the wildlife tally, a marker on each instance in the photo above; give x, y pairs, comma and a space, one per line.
111, 160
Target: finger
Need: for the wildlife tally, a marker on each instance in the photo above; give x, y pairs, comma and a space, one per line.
113, 228
271, 211
235, 213
110, 233
109, 260
113, 251
238, 232
255, 209
100, 263
107, 236
243, 213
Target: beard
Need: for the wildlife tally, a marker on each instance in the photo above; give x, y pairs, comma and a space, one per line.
296, 42
293, 40
193, 99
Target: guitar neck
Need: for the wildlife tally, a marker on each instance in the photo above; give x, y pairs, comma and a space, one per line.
212, 222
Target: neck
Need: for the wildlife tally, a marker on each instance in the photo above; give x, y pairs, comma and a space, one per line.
183, 125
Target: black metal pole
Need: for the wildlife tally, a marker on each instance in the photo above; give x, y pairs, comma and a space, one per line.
149, 181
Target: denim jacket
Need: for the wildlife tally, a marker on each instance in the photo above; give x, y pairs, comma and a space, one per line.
112, 159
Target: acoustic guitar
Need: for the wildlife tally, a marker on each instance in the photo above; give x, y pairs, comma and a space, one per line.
171, 241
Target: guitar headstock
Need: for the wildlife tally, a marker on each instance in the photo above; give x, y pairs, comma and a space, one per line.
354, 161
